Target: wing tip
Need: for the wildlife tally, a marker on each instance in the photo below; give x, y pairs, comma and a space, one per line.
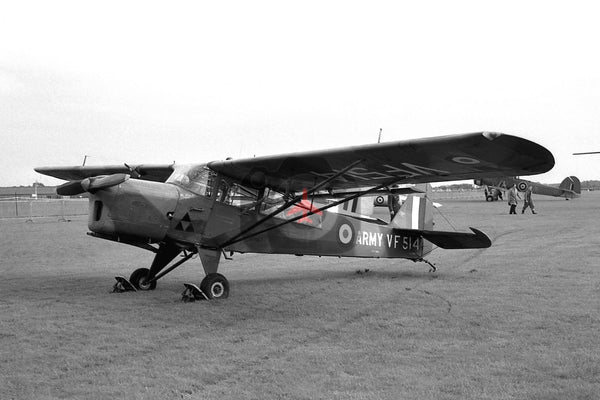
482, 238
491, 135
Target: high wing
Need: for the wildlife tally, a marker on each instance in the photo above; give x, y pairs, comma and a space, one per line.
149, 172
443, 158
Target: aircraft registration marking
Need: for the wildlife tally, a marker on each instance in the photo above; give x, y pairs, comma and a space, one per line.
407, 170
391, 241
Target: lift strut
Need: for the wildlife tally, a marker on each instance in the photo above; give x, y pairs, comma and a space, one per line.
239, 238
185, 258
287, 204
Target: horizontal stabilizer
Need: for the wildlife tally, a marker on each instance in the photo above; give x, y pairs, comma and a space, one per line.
458, 240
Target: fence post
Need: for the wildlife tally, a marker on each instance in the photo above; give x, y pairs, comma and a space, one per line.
30, 219
62, 211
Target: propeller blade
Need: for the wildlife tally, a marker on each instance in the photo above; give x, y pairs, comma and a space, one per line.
103, 182
91, 185
71, 188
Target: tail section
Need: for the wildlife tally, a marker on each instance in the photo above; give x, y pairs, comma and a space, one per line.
415, 213
571, 185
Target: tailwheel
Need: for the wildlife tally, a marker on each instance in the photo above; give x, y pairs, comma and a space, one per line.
139, 279
215, 286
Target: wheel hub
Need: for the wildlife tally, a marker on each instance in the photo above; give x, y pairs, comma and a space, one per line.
217, 290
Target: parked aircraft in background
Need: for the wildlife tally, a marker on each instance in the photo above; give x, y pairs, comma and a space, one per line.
569, 188
288, 204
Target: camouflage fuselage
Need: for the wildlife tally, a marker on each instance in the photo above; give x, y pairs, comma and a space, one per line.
151, 212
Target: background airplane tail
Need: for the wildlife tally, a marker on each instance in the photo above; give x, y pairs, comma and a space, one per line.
571, 184
415, 213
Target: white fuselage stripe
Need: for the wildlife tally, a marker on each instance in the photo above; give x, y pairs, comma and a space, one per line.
415, 212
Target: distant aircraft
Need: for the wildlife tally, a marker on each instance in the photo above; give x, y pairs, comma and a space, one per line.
569, 188
288, 204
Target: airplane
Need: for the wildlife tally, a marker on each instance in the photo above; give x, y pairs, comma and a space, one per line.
287, 204
569, 188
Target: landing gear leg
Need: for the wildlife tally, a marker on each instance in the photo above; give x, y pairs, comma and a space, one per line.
144, 278
214, 286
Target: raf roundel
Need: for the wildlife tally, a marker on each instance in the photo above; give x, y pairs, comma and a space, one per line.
345, 234
522, 186
465, 160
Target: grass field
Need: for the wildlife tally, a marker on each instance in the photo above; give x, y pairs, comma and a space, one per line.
520, 320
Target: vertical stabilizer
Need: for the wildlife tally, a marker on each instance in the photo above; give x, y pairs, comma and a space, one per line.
415, 213
571, 184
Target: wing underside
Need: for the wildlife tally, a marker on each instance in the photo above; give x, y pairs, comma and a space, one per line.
157, 173
437, 159
443, 158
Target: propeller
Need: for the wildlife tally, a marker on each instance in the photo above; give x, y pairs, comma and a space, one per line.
71, 188
91, 185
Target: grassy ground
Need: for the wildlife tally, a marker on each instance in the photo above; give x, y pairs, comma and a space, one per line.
520, 320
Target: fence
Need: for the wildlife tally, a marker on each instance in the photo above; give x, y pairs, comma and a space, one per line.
36, 208
27, 207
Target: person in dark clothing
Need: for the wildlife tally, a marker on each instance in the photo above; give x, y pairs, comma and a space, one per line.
512, 199
527, 201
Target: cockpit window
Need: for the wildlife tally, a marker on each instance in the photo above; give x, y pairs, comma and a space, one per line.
195, 178
201, 180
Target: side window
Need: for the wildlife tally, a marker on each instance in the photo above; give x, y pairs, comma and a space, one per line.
243, 197
200, 181
271, 201
224, 192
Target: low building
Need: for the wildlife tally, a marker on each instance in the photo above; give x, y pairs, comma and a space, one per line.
42, 192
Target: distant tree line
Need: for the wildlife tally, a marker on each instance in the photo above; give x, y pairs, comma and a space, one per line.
585, 185
455, 187
590, 185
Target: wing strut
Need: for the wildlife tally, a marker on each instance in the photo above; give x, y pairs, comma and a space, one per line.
239, 238
290, 202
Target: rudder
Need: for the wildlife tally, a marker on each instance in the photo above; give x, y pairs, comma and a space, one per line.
415, 213
571, 184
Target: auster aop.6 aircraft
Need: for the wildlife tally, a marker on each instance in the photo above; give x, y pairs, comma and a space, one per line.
569, 188
288, 204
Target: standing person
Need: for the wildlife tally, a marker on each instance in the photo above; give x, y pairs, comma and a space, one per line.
512, 199
527, 201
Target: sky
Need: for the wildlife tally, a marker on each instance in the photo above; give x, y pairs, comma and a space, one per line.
158, 82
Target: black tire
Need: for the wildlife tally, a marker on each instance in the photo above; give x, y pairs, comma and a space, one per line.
139, 277
489, 198
215, 286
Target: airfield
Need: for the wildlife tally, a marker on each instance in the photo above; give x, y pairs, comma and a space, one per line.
520, 320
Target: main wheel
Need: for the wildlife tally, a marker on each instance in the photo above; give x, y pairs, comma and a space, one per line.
139, 279
215, 286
